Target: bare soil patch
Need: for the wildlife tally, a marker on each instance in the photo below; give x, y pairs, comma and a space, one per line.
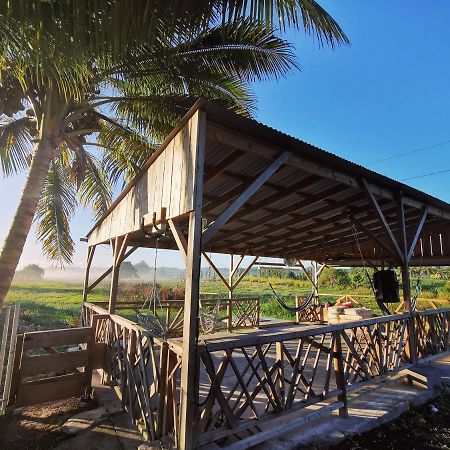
38, 427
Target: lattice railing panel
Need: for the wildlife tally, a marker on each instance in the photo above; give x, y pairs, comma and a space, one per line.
374, 349
432, 332
253, 382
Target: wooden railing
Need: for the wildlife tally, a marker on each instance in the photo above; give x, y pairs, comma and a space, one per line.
315, 313
235, 313
249, 379
432, 332
138, 367
245, 382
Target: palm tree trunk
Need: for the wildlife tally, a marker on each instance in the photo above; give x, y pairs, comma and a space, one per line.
23, 218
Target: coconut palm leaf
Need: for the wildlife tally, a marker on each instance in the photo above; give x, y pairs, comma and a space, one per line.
96, 189
55, 209
15, 144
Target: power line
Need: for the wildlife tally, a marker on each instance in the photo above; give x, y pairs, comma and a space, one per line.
426, 175
417, 150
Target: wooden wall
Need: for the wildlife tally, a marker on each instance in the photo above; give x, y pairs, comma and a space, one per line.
167, 183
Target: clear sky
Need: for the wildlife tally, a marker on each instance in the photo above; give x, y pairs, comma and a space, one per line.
388, 93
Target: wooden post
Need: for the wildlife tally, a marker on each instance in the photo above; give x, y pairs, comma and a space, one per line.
11, 354
119, 246
90, 255
406, 282
230, 295
315, 280
280, 382
338, 364
190, 364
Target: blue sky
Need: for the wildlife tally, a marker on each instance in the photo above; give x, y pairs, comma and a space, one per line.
386, 94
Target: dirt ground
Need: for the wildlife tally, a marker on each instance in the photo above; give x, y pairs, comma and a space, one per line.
38, 427
423, 428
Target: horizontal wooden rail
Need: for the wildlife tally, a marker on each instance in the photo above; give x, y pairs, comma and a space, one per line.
247, 380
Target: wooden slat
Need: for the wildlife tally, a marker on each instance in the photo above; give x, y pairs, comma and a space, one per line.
33, 365
50, 389
55, 338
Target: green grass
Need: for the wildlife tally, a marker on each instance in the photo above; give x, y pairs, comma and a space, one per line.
50, 305
45, 305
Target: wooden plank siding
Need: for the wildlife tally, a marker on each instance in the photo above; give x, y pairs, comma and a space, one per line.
167, 183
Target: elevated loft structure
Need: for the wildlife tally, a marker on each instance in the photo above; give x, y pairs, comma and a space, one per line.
223, 183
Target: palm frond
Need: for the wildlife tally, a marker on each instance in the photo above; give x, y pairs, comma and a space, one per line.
55, 209
96, 189
125, 151
15, 145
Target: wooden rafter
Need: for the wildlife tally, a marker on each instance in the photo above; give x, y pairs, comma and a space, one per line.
216, 270
243, 197
416, 237
383, 220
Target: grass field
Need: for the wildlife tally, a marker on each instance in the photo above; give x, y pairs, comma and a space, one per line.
50, 305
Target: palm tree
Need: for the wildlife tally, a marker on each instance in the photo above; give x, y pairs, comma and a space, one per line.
69, 84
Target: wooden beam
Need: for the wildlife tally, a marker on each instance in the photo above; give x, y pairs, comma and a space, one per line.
230, 294
90, 256
234, 207
216, 270
212, 173
307, 274
189, 370
417, 234
236, 267
293, 211
382, 219
242, 275
358, 224
179, 238
108, 271
120, 246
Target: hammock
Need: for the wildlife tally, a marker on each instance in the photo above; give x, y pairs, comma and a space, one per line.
209, 319
303, 306
150, 319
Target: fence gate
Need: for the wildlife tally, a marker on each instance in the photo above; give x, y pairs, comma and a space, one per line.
51, 365
9, 320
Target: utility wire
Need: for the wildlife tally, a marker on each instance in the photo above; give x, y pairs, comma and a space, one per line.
426, 175
417, 150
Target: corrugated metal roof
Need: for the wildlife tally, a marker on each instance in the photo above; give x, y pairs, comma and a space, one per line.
299, 213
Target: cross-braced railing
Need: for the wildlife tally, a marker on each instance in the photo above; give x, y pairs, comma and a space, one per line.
432, 332
245, 380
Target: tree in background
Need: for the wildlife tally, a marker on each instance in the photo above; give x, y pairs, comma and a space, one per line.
127, 270
143, 269
335, 277
116, 76
32, 272
358, 277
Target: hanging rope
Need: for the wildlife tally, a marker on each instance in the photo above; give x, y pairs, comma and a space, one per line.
384, 309
150, 320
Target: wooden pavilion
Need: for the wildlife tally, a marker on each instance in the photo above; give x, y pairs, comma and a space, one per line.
224, 183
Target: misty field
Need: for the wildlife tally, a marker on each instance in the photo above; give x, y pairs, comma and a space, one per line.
50, 305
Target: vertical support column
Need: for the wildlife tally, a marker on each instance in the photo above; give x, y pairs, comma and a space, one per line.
280, 386
315, 277
190, 365
406, 282
230, 295
90, 255
338, 363
119, 245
